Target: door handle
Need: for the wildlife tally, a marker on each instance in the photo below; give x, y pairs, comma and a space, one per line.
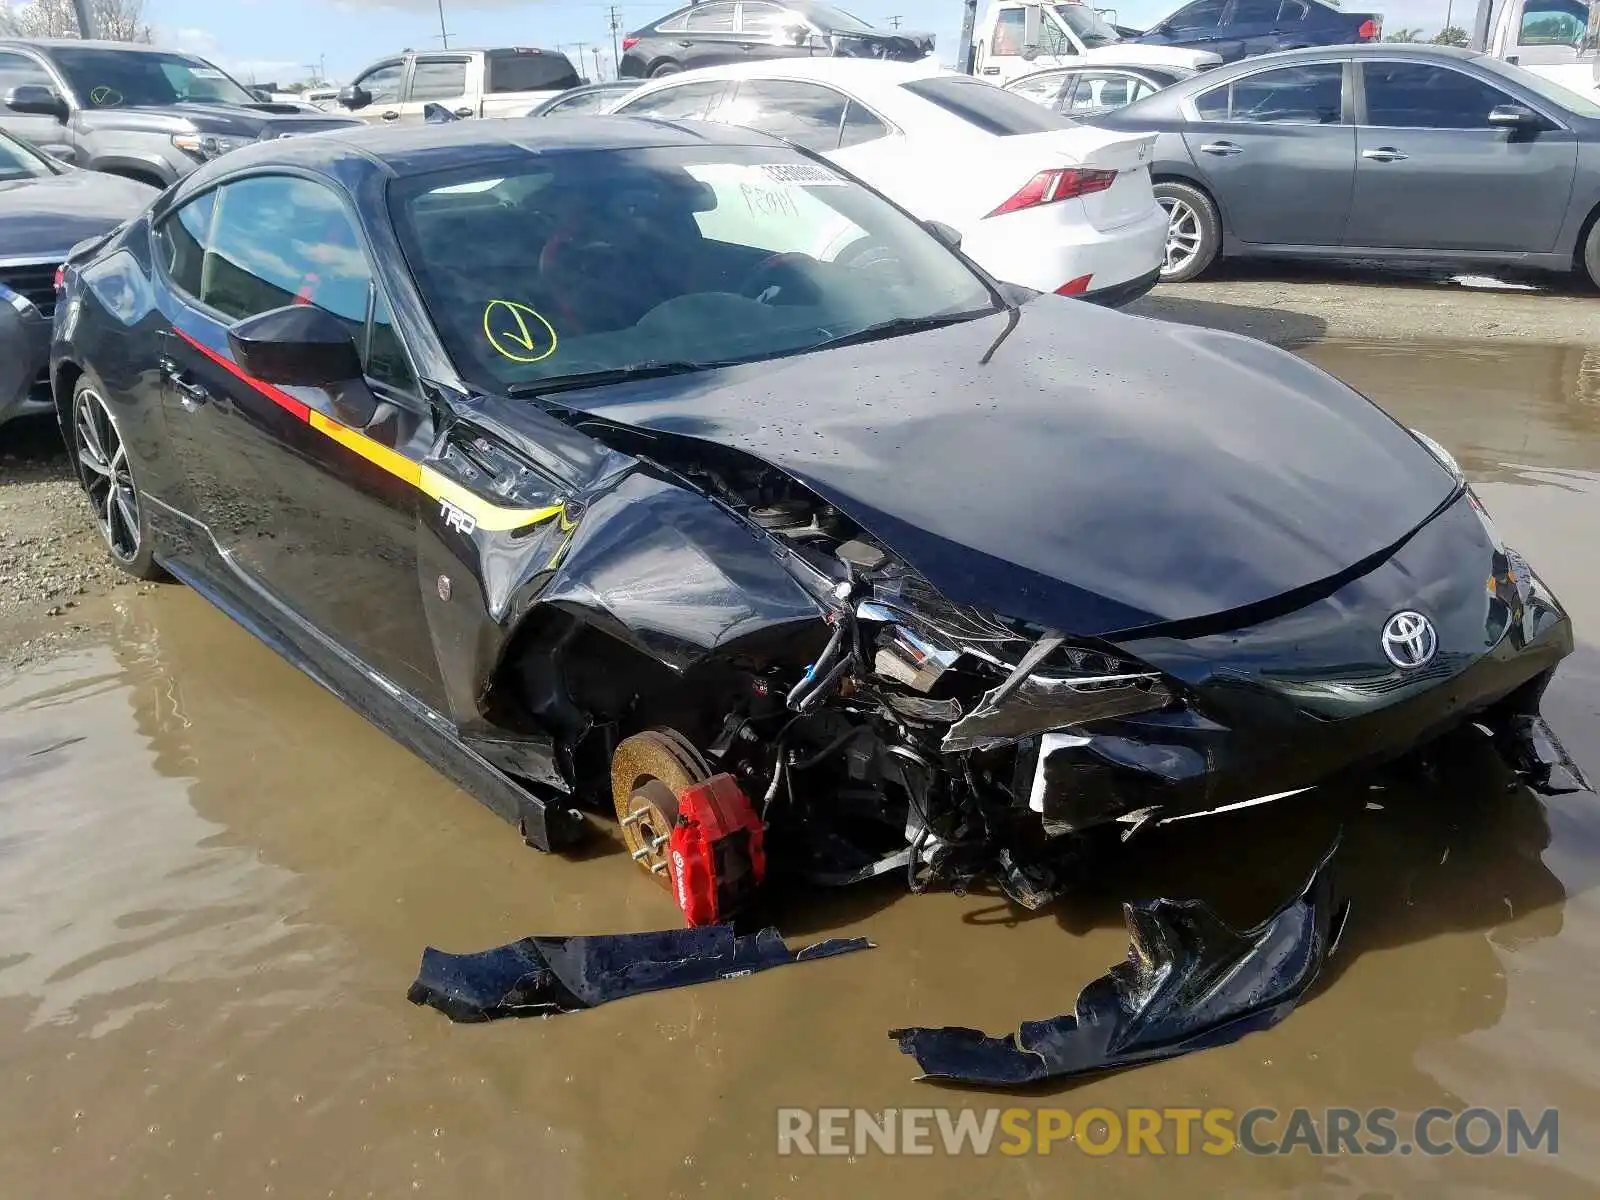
190, 394
1385, 154
464, 112
1222, 149
391, 115
685, 45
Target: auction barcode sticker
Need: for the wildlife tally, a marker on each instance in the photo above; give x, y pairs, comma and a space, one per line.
802, 174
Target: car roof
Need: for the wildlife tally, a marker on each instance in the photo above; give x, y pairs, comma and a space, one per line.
415, 149
82, 44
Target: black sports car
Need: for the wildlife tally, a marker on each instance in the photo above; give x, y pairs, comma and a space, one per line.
613, 464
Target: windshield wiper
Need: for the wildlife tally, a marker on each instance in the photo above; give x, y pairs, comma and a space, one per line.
896, 326
589, 379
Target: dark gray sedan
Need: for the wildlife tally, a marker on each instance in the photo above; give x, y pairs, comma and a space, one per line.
1382, 151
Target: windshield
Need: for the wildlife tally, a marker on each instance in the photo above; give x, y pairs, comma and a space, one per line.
1549, 89
595, 262
1089, 25
19, 162
836, 19
136, 78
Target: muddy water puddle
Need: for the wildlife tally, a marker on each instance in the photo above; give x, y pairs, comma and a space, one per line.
215, 882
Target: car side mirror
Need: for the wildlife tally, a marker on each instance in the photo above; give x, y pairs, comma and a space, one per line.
355, 96
261, 94
1514, 116
798, 35
948, 234
1029, 53
37, 100
298, 345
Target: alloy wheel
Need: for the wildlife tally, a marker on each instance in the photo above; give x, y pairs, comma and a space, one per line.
107, 476
1183, 234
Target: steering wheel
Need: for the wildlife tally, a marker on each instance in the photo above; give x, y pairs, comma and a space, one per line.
781, 275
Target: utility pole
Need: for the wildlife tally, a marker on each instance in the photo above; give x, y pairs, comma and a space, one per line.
444, 34
86, 26
616, 28
969, 22
894, 21
598, 73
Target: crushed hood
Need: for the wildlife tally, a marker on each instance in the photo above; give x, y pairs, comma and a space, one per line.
1101, 473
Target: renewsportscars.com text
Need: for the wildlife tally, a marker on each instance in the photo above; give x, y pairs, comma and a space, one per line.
1166, 1131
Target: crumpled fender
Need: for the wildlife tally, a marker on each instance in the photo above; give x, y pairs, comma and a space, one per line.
1190, 982
667, 571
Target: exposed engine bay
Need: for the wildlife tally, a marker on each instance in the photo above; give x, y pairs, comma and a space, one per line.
878, 727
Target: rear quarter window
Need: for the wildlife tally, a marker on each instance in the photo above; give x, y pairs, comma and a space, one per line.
530, 71
985, 106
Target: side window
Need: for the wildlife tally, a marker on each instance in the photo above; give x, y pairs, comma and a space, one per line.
804, 113
18, 70
1553, 23
384, 82
182, 240
710, 18
764, 20
1042, 88
1420, 96
587, 102
1203, 14
1008, 31
1309, 95
279, 240
860, 127
1254, 12
439, 79
685, 102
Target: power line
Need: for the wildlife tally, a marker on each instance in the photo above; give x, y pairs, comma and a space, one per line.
616, 28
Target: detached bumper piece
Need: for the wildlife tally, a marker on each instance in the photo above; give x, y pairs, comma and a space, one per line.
539, 976
1536, 754
1190, 982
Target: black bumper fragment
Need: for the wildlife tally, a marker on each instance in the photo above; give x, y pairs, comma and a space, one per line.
1190, 982
543, 975
1536, 754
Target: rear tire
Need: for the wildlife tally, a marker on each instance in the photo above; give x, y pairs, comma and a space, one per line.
662, 69
105, 469
1590, 255
1194, 231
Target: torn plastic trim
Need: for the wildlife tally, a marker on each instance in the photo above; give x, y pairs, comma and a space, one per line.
1043, 703
539, 976
1190, 982
1532, 749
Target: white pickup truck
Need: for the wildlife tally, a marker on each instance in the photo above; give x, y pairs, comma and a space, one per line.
1557, 39
505, 82
1015, 37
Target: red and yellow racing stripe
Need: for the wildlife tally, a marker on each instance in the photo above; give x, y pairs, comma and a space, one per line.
429, 482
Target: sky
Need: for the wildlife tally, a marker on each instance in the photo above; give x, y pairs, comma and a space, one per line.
282, 40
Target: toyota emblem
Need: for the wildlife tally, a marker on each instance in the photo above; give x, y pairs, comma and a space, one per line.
1409, 640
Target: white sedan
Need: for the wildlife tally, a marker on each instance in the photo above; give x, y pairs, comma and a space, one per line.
1038, 200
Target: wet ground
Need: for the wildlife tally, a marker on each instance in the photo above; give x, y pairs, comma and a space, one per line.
215, 883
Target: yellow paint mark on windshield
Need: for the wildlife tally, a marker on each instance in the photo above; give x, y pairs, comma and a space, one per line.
518, 332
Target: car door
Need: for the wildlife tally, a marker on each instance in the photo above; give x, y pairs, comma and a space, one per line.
1549, 32
386, 82
768, 30
437, 79
1197, 24
48, 133
710, 36
1434, 174
1274, 150
309, 507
